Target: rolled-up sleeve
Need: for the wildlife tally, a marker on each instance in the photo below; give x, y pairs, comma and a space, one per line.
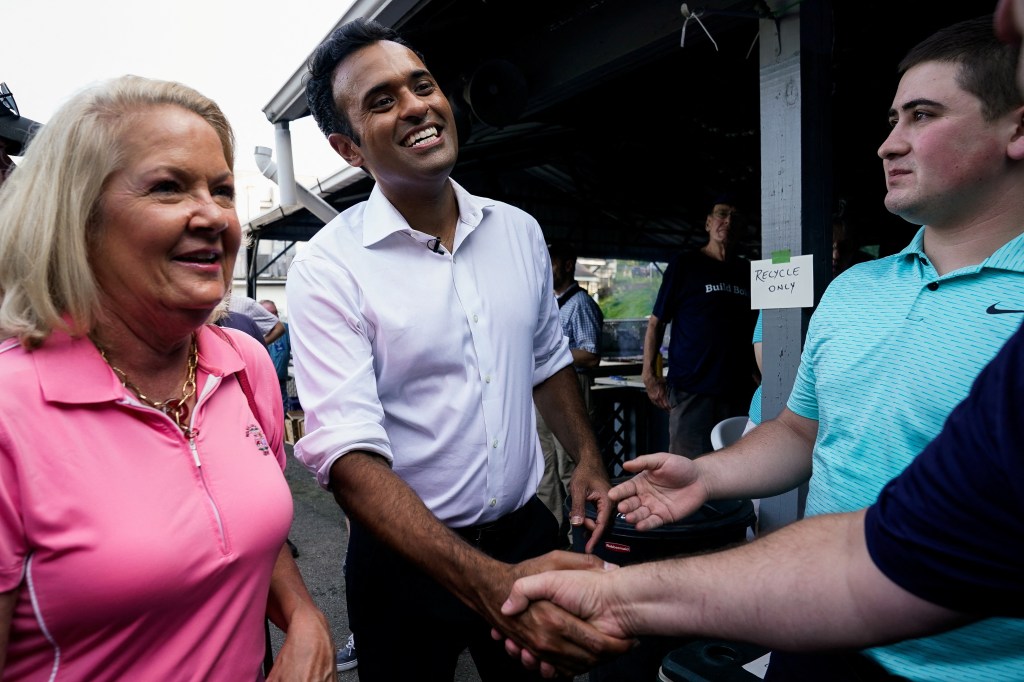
333, 363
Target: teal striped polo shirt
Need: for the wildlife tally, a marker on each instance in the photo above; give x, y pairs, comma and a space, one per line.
754, 413
890, 350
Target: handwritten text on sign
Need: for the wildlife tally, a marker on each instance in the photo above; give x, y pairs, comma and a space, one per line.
782, 285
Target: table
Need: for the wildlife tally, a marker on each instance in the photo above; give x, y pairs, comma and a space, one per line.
627, 380
626, 423
618, 367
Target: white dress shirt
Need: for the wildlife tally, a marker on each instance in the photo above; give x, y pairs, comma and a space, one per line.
425, 357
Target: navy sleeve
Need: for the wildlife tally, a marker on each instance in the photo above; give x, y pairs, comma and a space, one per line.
950, 528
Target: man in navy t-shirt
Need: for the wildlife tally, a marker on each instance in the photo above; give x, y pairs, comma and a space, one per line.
705, 295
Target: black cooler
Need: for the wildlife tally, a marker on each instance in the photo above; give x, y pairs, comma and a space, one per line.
712, 660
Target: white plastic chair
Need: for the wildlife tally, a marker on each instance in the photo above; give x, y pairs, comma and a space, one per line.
727, 431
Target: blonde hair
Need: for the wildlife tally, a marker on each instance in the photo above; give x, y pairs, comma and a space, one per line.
48, 204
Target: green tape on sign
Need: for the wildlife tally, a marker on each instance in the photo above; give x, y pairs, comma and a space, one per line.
781, 256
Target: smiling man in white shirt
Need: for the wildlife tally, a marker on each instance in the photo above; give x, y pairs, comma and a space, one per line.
423, 328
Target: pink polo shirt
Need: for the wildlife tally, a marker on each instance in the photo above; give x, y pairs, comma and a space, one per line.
137, 554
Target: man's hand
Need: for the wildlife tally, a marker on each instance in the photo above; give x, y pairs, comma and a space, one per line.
556, 641
657, 390
589, 483
666, 488
580, 593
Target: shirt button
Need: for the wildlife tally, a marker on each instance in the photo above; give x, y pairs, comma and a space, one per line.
493, 502
475, 318
494, 443
932, 286
487, 379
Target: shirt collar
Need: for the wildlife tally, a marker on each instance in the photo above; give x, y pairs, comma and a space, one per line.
62, 356
382, 219
916, 246
1009, 256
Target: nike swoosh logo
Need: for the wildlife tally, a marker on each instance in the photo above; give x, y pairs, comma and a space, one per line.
993, 310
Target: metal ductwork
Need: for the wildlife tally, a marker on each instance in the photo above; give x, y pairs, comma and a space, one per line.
302, 196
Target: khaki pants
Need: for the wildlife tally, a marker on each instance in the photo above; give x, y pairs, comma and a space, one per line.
558, 463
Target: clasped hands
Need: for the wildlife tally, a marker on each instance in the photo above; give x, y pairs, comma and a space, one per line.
592, 620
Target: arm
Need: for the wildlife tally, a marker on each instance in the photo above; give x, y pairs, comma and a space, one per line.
584, 332
561, 405
360, 480
7, 600
275, 333
771, 459
308, 650
584, 358
267, 321
657, 387
811, 585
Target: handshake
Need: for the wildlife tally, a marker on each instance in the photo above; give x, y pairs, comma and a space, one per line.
601, 607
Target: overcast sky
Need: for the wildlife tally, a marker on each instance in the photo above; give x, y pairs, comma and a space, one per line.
238, 52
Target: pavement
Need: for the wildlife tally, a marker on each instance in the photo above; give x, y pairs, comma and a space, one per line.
318, 530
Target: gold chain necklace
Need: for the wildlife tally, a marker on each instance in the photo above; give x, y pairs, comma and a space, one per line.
175, 408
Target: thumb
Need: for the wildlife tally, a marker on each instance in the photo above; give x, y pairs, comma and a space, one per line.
518, 599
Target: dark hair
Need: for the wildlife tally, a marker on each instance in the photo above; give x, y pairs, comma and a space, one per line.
988, 66
335, 48
725, 199
563, 250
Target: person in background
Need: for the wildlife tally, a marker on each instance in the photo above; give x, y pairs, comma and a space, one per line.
280, 352
954, 163
705, 295
143, 508
271, 327
754, 412
242, 323
422, 325
581, 321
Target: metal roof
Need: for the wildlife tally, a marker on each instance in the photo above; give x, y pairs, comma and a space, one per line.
625, 135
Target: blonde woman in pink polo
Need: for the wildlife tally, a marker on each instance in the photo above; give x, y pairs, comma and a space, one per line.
143, 508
